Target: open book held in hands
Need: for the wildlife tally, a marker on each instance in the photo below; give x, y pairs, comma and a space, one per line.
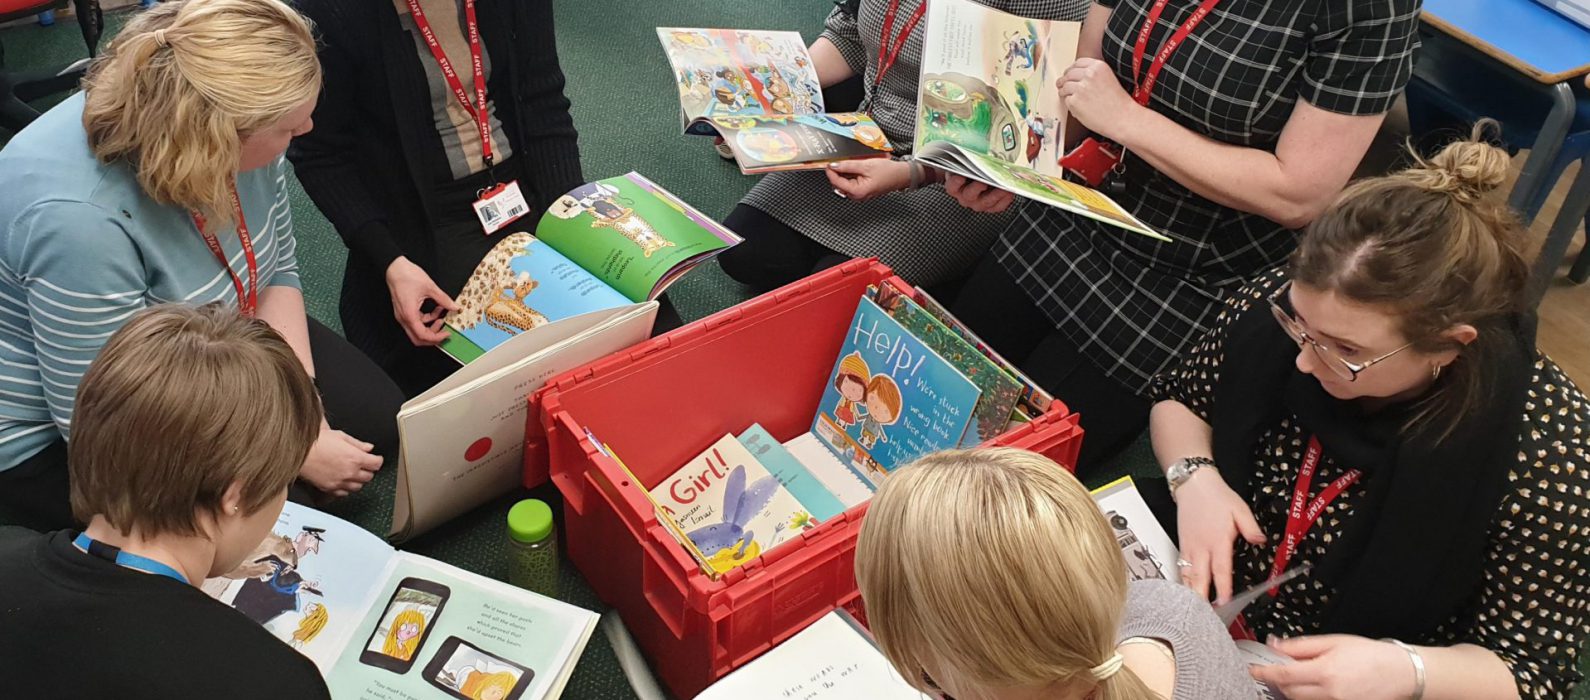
988, 108
380, 623
607, 244
759, 91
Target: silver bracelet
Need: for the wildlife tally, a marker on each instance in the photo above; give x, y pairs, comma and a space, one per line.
916, 171
1418, 667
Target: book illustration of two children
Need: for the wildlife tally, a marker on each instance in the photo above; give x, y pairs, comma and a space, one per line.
873, 401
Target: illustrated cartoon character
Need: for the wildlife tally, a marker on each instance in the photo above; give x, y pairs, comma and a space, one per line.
272, 583
1022, 49
883, 409
728, 544
851, 383
480, 685
310, 625
968, 112
1037, 131
484, 295
1140, 563
624, 220
872, 137
729, 88
404, 634
844, 118
691, 40
511, 314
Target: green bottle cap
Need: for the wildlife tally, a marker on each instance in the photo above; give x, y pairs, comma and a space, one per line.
530, 521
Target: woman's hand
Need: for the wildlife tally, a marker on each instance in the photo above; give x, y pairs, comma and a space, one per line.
1340, 667
862, 180
411, 288
977, 196
339, 464
1209, 517
1095, 98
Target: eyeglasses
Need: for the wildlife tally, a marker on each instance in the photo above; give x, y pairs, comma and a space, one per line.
1327, 356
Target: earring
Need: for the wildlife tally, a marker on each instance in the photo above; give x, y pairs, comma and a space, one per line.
235, 510
1435, 372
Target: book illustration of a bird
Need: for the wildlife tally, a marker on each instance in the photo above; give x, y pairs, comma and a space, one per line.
729, 543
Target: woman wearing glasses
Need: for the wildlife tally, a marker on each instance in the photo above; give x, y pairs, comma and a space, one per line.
1378, 412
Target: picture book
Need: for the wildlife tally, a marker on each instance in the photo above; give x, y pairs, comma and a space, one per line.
730, 507
380, 623
839, 478
765, 144
1147, 549
759, 91
1000, 391
832, 659
796, 478
1034, 400
988, 109
462, 442
890, 398
610, 243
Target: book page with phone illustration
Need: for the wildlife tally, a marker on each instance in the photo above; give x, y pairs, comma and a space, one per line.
434, 628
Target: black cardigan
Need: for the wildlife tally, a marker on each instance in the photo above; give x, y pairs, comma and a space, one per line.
373, 158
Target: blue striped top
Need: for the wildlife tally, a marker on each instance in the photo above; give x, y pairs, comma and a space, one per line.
82, 249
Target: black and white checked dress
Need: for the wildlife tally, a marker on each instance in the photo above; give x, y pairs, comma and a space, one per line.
924, 235
1132, 303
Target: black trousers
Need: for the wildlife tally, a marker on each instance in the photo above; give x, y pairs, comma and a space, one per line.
359, 400
773, 254
996, 308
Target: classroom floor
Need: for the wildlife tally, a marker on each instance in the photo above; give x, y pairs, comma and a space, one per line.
628, 118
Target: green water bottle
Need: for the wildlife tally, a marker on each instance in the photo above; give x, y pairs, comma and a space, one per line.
533, 547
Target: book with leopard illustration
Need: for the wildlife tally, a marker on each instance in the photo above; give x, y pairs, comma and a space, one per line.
607, 244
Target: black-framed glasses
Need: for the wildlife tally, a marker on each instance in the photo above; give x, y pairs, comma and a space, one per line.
1327, 355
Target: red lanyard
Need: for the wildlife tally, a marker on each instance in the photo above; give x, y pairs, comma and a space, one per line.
1304, 513
247, 302
886, 53
1145, 84
476, 107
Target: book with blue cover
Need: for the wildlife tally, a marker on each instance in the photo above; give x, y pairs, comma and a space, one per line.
890, 398
805, 485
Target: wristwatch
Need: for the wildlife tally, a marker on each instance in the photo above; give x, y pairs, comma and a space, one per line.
1182, 469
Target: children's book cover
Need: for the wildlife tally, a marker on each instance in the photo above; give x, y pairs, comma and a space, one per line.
631, 234
1001, 392
1034, 400
737, 72
521, 284
765, 144
730, 506
890, 398
784, 466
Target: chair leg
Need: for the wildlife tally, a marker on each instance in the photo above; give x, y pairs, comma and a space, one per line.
1574, 208
1581, 264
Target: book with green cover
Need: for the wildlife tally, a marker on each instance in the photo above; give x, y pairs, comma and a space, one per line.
1001, 392
610, 243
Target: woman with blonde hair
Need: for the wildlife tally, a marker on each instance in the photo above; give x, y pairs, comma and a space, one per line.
1378, 411
992, 575
164, 181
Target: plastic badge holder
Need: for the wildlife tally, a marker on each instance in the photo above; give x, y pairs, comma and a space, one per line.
656, 404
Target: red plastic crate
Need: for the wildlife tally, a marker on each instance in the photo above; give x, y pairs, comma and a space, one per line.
660, 403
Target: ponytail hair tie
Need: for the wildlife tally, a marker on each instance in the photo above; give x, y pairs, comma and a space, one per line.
160, 38
1110, 667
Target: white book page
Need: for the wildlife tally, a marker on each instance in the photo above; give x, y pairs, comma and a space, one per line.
830, 660
837, 477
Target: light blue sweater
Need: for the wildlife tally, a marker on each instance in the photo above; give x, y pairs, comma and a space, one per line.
82, 249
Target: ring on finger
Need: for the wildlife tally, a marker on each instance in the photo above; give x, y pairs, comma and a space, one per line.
1183, 564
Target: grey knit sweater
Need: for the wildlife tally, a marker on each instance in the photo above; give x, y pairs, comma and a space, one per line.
1207, 664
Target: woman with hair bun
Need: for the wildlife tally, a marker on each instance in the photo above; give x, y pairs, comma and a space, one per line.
163, 181
1378, 411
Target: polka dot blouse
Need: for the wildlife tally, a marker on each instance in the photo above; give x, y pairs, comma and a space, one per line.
1531, 608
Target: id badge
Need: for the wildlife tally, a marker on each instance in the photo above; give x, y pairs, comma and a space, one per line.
500, 206
1093, 160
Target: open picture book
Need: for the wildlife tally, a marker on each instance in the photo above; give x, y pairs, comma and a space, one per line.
758, 90
607, 244
988, 109
834, 658
380, 623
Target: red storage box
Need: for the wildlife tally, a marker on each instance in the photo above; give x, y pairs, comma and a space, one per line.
660, 403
